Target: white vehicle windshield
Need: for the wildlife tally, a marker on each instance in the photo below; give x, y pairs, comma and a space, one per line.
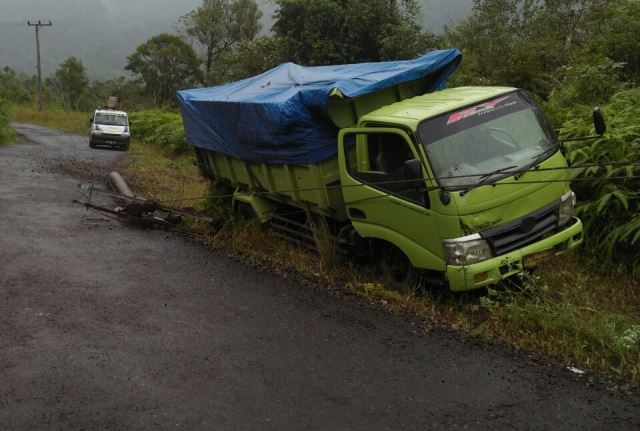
474, 145
111, 119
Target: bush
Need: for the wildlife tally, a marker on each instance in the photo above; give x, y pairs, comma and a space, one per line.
581, 87
609, 194
7, 134
160, 127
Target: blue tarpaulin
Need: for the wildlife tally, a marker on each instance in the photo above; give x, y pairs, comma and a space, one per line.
281, 115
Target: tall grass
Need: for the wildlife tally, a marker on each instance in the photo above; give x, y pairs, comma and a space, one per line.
159, 174
76, 122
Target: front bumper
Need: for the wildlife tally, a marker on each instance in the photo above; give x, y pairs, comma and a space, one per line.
493, 270
111, 140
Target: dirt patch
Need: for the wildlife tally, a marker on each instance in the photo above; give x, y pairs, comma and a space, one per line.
72, 166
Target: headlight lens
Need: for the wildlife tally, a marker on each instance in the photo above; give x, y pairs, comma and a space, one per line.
565, 212
466, 250
97, 130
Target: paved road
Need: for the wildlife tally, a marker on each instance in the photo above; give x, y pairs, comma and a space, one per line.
103, 326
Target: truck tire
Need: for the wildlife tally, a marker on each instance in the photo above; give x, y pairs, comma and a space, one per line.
243, 212
399, 273
91, 144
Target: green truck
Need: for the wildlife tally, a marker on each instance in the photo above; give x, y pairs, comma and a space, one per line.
462, 187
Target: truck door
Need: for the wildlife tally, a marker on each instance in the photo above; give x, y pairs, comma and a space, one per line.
384, 182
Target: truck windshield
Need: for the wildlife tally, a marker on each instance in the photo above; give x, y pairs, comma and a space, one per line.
484, 142
111, 120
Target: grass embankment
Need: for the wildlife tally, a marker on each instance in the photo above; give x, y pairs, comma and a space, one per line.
76, 122
571, 310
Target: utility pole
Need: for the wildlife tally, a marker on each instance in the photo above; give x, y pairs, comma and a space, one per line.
37, 26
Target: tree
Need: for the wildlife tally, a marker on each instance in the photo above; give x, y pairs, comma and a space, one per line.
336, 31
218, 25
165, 63
71, 83
522, 43
615, 34
14, 87
250, 58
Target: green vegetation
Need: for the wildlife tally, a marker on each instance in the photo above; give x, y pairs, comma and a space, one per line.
572, 312
609, 195
157, 172
161, 128
166, 63
218, 26
7, 134
76, 122
72, 85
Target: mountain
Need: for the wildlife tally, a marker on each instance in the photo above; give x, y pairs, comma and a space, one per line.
102, 33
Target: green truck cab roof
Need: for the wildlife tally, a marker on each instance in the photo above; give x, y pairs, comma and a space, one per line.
410, 112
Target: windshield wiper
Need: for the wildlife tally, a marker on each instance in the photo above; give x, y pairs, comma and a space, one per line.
484, 178
543, 155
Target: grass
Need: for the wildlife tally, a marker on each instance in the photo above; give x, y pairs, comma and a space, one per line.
165, 177
571, 310
76, 122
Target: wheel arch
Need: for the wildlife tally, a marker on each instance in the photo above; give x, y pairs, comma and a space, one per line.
419, 257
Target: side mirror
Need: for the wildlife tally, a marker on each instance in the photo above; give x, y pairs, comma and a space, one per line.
598, 121
413, 169
91, 120
599, 124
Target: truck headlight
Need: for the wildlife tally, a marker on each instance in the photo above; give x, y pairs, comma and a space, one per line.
565, 212
466, 250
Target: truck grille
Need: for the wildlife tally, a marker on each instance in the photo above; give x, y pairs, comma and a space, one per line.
523, 231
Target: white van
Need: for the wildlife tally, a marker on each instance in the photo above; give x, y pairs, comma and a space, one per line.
109, 128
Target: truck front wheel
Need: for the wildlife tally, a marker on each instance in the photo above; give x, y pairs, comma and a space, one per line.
398, 271
244, 212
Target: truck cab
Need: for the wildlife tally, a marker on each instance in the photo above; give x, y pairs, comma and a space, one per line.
109, 128
466, 185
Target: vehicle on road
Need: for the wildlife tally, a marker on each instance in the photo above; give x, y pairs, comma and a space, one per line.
463, 187
109, 128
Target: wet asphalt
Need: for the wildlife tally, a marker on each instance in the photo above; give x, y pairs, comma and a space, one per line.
105, 326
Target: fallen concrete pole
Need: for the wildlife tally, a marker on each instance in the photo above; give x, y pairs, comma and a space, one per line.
119, 184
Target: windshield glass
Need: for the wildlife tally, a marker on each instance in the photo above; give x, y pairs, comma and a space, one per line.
111, 120
467, 147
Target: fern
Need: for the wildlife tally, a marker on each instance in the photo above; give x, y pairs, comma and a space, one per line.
609, 208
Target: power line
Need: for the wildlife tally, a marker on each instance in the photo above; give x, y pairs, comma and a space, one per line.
458, 186
37, 25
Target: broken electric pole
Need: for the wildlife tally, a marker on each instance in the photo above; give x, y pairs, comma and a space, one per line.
37, 26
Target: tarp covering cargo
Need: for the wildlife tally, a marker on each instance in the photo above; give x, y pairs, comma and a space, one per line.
281, 116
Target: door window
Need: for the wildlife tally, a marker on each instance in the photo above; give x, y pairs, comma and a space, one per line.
380, 160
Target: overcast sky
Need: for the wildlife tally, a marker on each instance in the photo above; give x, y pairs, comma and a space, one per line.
102, 33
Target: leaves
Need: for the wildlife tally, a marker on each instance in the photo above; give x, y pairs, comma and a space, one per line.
610, 207
218, 26
166, 63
